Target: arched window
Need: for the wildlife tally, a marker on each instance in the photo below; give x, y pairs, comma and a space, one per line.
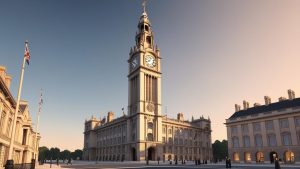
146, 27
235, 142
289, 157
258, 140
286, 138
246, 141
150, 137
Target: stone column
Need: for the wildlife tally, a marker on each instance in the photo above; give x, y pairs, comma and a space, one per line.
2, 162
277, 132
293, 130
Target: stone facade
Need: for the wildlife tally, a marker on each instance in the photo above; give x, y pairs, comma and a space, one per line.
144, 133
24, 145
264, 132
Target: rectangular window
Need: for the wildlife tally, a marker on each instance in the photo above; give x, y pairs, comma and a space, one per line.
258, 141
269, 125
297, 121
245, 128
164, 139
234, 130
235, 142
256, 127
272, 140
2, 120
284, 123
164, 130
170, 131
286, 139
298, 136
246, 140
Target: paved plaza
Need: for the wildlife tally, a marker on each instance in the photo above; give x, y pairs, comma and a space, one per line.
152, 164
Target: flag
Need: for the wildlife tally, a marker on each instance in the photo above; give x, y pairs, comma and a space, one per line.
27, 54
41, 99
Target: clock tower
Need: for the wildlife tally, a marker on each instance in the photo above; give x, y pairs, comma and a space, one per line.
144, 94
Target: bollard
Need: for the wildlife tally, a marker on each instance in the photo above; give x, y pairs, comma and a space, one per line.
9, 164
32, 165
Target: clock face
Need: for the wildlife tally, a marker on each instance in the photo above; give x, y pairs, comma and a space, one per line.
150, 61
134, 63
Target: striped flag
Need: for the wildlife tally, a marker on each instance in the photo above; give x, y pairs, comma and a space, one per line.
26, 53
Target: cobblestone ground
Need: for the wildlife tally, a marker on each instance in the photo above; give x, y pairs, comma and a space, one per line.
136, 165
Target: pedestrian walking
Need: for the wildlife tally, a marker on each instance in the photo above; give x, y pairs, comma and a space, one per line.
277, 165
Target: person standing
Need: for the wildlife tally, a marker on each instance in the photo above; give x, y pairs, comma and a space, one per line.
226, 161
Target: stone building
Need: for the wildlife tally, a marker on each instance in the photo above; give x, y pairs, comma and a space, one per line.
261, 133
24, 145
144, 133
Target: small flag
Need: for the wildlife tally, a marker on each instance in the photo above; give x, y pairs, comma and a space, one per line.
27, 54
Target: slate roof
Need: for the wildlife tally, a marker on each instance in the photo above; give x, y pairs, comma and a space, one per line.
271, 107
22, 107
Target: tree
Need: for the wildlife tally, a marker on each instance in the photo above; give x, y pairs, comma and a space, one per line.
66, 154
54, 153
220, 150
77, 154
43, 153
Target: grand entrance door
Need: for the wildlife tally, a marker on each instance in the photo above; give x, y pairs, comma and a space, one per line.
273, 156
151, 153
133, 154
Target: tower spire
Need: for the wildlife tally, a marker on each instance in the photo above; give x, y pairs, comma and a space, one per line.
144, 5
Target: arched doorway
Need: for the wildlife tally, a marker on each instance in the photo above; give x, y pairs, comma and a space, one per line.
273, 156
169, 157
289, 157
260, 157
236, 157
133, 154
247, 157
151, 153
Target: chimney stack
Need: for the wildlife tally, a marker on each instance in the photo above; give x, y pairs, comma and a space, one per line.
110, 116
245, 104
256, 104
180, 116
267, 100
237, 107
281, 99
291, 94
8, 80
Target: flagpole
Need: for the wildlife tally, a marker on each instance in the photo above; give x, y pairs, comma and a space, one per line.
11, 144
37, 127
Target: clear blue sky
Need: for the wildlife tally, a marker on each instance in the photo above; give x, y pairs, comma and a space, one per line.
215, 54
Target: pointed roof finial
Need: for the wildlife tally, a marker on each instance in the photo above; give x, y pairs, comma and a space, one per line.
144, 5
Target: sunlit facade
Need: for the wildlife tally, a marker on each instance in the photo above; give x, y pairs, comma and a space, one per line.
144, 133
24, 145
264, 132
